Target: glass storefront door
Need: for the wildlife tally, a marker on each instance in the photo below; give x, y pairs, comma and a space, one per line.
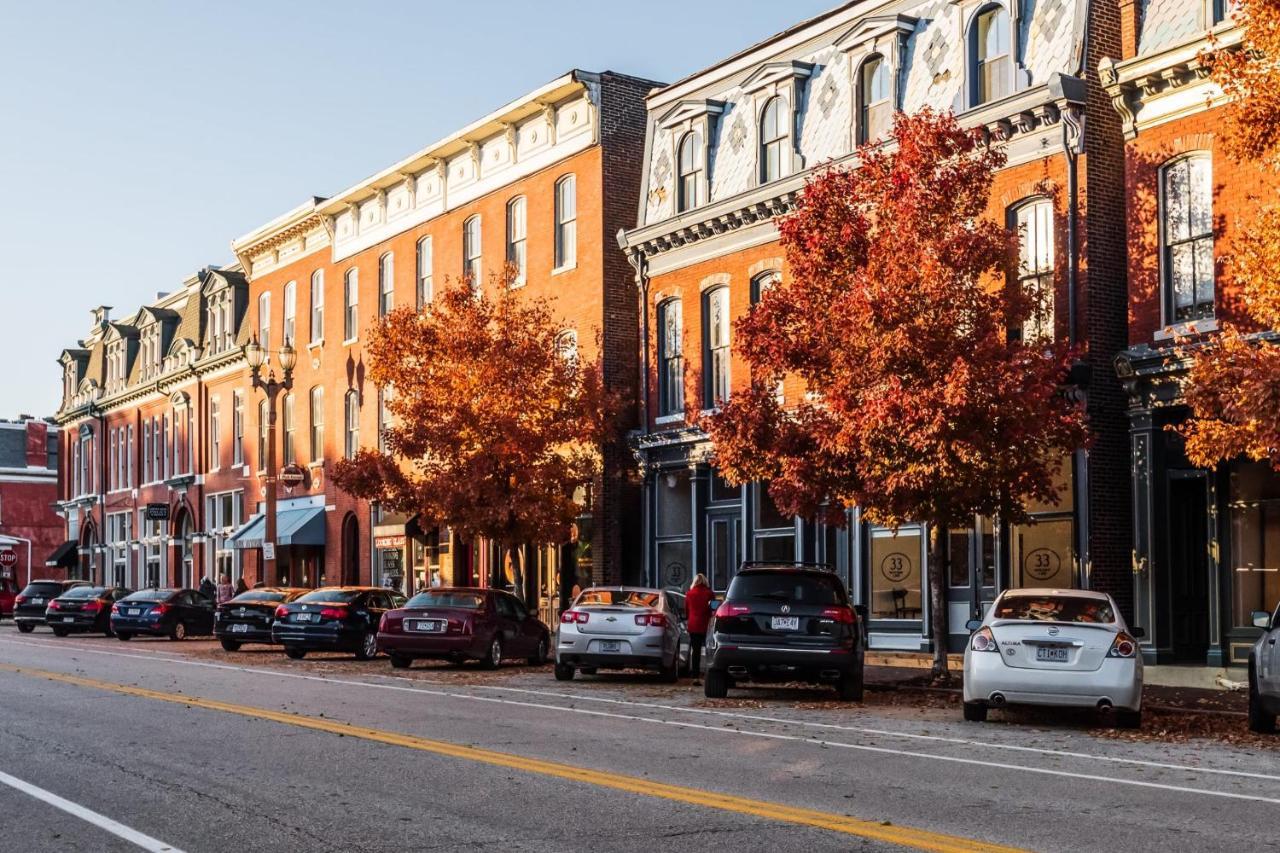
896, 573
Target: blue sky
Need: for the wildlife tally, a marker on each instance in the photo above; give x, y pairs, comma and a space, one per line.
137, 139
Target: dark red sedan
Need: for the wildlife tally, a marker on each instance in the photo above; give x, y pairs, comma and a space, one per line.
458, 624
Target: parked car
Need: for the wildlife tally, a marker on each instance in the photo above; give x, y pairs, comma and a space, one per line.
463, 624
1068, 648
173, 613
622, 628
248, 617
8, 592
1264, 673
334, 619
786, 622
83, 609
30, 604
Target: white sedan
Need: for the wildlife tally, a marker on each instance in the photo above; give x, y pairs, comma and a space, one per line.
1060, 647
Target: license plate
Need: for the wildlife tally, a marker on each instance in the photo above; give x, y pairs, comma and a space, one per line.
306, 617
133, 611
1053, 654
786, 623
68, 618
37, 601
611, 646
434, 626
239, 629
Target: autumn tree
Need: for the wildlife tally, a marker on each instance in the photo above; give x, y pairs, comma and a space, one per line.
920, 405
495, 421
1233, 387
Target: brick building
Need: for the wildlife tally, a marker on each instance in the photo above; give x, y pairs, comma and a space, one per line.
30, 529
729, 148
1206, 543
545, 181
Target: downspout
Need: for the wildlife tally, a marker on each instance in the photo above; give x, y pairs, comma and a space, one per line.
637, 260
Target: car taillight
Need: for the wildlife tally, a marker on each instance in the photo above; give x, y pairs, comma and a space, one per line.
93, 607
843, 615
54, 605
160, 609
574, 617
1124, 646
18, 599
333, 613
728, 609
983, 641
656, 620
282, 612
115, 608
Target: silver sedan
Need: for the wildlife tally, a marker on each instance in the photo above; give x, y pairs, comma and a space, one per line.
622, 628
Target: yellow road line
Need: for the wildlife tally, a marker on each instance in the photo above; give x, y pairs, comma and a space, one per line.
901, 835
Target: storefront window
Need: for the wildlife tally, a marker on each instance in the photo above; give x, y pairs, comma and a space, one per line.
675, 561
675, 503
775, 532
895, 571
1255, 541
721, 490
1043, 554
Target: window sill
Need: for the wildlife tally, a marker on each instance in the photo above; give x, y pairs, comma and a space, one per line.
316, 464
677, 418
1182, 330
349, 341
565, 268
316, 344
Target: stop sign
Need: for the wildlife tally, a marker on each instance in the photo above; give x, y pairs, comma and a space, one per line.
8, 559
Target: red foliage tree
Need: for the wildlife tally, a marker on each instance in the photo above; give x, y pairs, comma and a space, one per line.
920, 406
494, 423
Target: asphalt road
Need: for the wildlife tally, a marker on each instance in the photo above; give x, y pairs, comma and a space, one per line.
156, 745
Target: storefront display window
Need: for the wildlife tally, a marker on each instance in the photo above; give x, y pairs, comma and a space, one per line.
895, 571
675, 561
775, 533
1255, 541
1043, 554
675, 503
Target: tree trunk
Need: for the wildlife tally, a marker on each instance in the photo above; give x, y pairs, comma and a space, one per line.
517, 572
938, 604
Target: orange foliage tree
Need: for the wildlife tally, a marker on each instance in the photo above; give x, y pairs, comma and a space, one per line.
1233, 387
920, 405
494, 423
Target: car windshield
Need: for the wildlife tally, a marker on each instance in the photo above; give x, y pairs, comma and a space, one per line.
341, 596
1055, 608
151, 595
436, 598
42, 589
619, 598
793, 587
258, 595
84, 592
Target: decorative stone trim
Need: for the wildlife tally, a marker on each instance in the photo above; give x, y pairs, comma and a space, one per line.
764, 266
713, 280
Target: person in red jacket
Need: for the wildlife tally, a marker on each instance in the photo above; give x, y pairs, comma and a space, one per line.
697, 603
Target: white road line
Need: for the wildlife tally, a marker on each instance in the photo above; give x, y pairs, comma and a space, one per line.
146, 842
451, 694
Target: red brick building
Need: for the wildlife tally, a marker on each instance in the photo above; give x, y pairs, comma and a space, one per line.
545, 181
30, 529
728, 150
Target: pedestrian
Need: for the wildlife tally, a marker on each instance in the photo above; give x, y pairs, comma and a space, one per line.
225, 589
436, 580
241, 586
207, 589
697, 602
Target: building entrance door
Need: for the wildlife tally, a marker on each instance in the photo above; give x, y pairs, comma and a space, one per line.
724, 533
1188, 569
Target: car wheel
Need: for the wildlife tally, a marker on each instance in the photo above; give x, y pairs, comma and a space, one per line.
400, 661
671, 674
368, 646
588, 670
564, 672
975, 712
1128, 719
716, 684
494, 659
1259, 720
294, 654
230, 646
26, 629
850, 686
59, 632
124, 636
178, 631
539, 657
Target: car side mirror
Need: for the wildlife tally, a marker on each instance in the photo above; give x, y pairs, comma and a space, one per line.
1137, 633
1261, 619
973, 625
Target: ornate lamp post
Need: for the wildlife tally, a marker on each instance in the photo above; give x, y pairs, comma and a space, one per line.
257, 357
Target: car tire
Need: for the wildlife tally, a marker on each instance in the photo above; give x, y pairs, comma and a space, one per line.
564, 672
294, 654
1260, 720
400, 661
178, 632
671, 674
975, 712
686, 668
716, 684
26, 629
850, 686
1126, 719
493, 659
230, 646
59, 632
368, 646
124, 636
539, 657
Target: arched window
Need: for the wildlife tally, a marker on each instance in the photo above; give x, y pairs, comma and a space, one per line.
875, 107
715, 346
690, 166
351, 411
1186, 216
386, 284
264, 321
670, 358
763, 282
425, 289
471, 251
290, 313
290, 446
517, 230
351, 303
566, 222
775, 140
1033, 221
991, 67
317, 423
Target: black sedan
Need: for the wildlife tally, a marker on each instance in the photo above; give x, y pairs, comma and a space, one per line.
173, 613
248, 617
334, 619
30, 605
83, 609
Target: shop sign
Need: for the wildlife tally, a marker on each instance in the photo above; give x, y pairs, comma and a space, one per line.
292, 476
157, 512
388, 542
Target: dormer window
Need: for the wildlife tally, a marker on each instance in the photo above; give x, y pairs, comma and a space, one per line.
875, 104
690, 165
775, 140
991, 68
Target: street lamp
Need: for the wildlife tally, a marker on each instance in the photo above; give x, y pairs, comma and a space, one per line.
256, 356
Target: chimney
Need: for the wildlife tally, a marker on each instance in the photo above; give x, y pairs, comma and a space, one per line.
101, 315
37, 444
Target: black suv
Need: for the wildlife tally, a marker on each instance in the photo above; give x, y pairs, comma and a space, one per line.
30, 605
786, 622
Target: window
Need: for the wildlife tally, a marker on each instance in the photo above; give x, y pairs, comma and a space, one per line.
425, 290
237, 428
215, 434
471, 251
517, 229
262, 435
992, 66
670, 358
566, 222
290, 448
351, 299
129, 464
264, 321
896, 569
715, 356
1034, 223
352, 418
875, 109
290, 312
317, 423
1187, 215
384, 417
146, 451
775, 139
689, 158
386, 284
317, 306
223, 516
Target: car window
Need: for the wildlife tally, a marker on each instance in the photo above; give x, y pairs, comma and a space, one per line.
84, 592
342, 596
1275, 618
150, 595
398, 599
675, 604
1054, 608
42, 588
796, 587
441, 598
505, 610
518, 606
259, 595
619, 598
